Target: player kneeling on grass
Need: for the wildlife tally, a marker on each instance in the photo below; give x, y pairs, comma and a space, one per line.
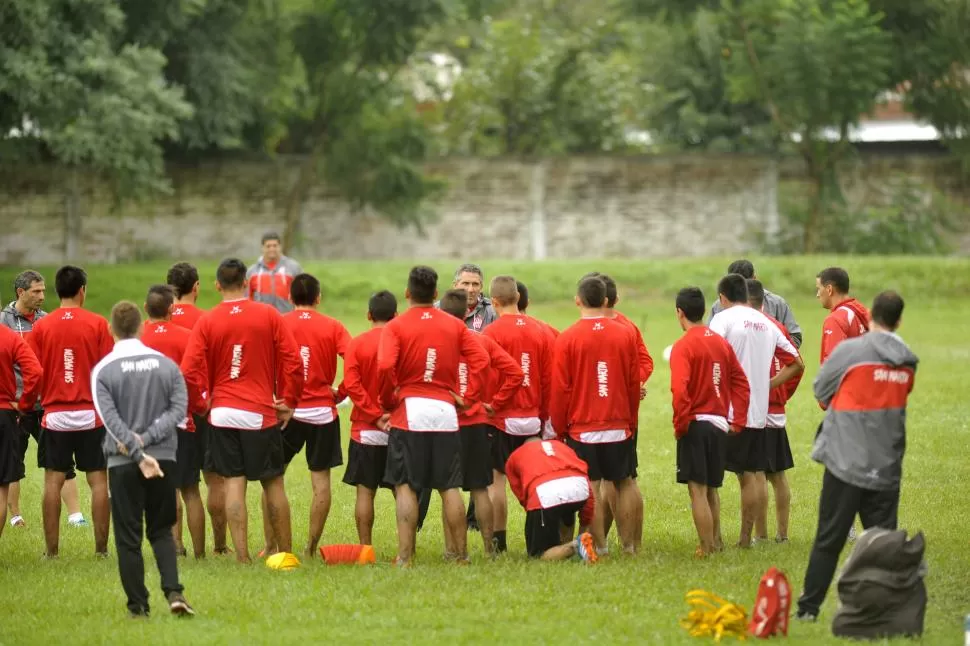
706, 379
140, 395
369, 423
551, 482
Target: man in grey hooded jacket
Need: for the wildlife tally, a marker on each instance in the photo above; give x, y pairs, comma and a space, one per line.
141, 397
864, 387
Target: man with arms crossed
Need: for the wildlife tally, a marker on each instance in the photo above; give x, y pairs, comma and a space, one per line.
418, 365
238, 353
707, 382
69, 342
754, 339
141, 396
20, 316
864, 387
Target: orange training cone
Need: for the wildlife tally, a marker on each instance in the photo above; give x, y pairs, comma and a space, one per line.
341, 554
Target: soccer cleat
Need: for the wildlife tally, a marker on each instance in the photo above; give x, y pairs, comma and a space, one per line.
77, 521
18, 521
179, 606
806, 617
586, 548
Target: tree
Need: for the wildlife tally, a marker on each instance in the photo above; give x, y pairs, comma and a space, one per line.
86, 103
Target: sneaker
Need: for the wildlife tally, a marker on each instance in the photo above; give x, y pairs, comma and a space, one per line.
586, 548
181, 551
18, 521
806, 617
77, 521
179, 606
101, 556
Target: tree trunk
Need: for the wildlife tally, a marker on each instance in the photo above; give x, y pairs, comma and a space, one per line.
72, 218
294, 203
813, 223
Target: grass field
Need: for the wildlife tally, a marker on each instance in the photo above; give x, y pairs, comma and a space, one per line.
79, 599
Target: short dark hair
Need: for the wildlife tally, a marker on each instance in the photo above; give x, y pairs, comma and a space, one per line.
733, 288
25, 280
592, 291
455, 302
125, 320
182, 276
504, 290
304, 290
159, 301
743, 267
887, 309
69, 281
836, 277
690, 301
382, 306
422, 284
611, 293
231, 273
270, 235
523, 295
756, 293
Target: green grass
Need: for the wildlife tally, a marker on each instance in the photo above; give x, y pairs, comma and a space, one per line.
79, 599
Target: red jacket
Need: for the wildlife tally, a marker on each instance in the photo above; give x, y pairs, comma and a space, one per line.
69, 342
419, 355
530, 346
847, 320
643, 356
235, 354
172, 340
320, 339
186, 315
537, 463
779, 396
15, 351
596, 381
495, 386
362, 382
706, 380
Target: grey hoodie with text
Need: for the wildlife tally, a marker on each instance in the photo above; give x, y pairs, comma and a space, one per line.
864, 385
139, 392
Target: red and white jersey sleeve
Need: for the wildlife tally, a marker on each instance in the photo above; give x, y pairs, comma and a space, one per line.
778, 397
172, 340
14, 351
846, 321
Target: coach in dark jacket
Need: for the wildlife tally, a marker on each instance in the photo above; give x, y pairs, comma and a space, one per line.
141, 397
864, 387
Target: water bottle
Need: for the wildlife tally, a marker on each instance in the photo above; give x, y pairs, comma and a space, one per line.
966, 631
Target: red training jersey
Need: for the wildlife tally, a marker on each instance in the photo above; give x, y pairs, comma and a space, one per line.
69, 342
706, 380
418, 358
362, 383
779, 396
847, 320
186, 315
530, 346
172, 340
643, 356
546, 474
15, 351
320, 339
235, 354
495, 386
596, 382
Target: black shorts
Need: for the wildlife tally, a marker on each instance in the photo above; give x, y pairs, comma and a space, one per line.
255, 455
611, 461
476, 456
30, 425
701, 454
204, 430
366, 464
66, 450
503, 445
424, 460
188, 460
746, 451
322, 441
636, 457
12, 439
542, 526
778, 457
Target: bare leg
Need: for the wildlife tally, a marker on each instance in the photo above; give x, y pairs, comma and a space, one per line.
69, 494
270, 544
100, 509
279, 512
628, 507
761, 518
195, 513
4, 492
453, 510
700, 507
752, 490
451, 545
215, 502
714, 500
638, 541
53, 481
608, 494
13, 499
499, 502
560, 552
407, 521
235, 489
596, 529
319, 508
364, 514
177, 527
485, 516
779, 482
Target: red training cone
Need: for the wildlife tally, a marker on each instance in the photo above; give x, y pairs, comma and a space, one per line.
342, 554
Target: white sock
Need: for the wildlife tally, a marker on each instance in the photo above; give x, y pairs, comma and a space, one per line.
13, 521
73, 518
